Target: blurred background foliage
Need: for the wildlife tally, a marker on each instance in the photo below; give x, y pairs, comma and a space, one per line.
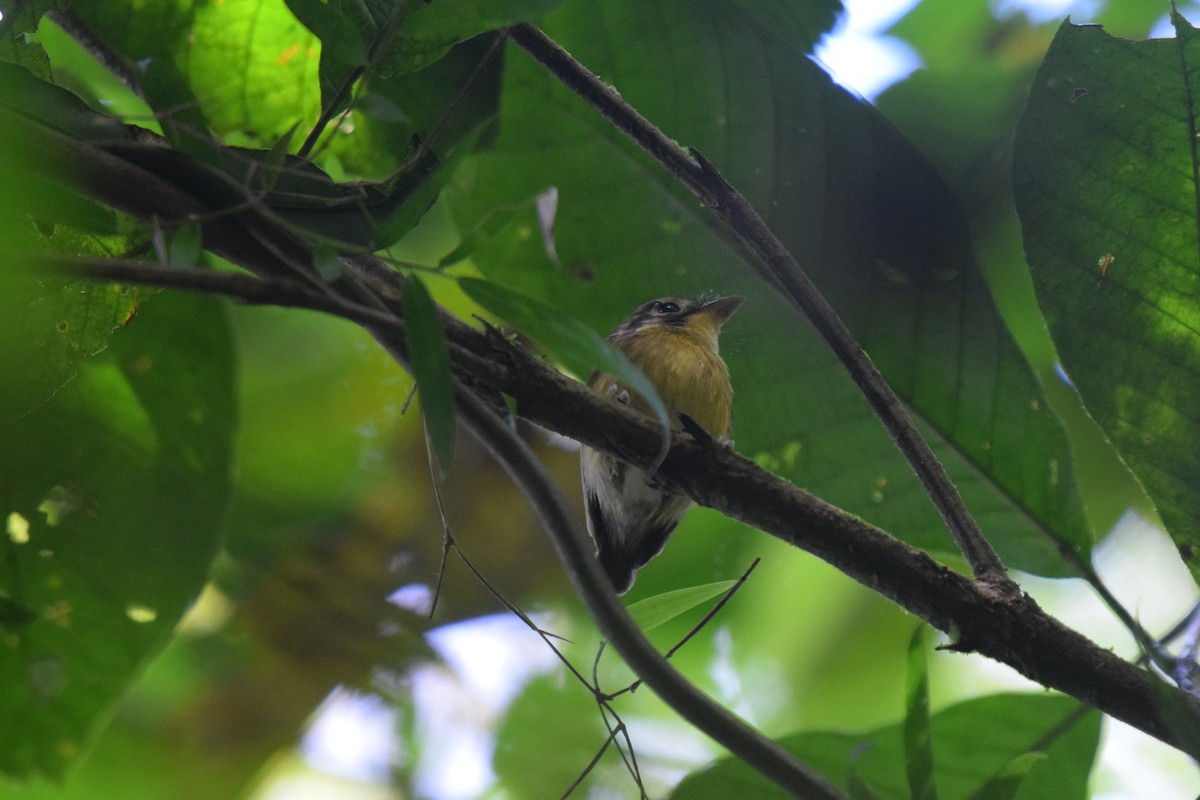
318, 599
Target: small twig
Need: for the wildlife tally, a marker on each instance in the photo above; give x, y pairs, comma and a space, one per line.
436, 482
702, 178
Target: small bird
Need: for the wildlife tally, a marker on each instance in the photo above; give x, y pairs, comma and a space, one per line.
673, 341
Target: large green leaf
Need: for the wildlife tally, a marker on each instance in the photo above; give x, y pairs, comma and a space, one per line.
1105, 178
250, 63
113, 493
975, 743
861, 210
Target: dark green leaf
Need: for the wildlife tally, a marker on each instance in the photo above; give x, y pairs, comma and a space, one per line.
1007, 782
860, 209
177, 109
918, 741
122, 481
859, 789
974, 740
433, 28
430, 360
1105, 182
341, 39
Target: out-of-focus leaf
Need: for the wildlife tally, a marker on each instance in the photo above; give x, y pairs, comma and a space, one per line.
974, 741
430, 359
489, 228
185, 245
862, 211
341, 39
122, 481
1007, 782
433, 28
405, 37
1104, 177
661, 608
918, 740
177, 109
581, 349
51, 323
574, 730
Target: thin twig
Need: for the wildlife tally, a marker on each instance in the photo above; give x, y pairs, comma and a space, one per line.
702, 178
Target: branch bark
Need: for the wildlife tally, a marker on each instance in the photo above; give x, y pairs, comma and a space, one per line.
1006, 626
1011, 629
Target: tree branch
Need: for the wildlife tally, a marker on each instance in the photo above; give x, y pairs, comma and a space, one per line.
1010, 628
702, 178
574, 550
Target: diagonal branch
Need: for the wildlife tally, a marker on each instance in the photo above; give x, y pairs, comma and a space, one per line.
1010, 628
702, 178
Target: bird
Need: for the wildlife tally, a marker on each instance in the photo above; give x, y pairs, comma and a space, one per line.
674, 342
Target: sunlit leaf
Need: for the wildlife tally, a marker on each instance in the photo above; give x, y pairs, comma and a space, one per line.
654, 611
274, 83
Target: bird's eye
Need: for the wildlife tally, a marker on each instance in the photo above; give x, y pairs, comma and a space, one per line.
666, 307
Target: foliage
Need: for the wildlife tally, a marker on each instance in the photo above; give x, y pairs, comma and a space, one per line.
413, 130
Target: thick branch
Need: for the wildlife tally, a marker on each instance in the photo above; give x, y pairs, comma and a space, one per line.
1011, 629
1005, 626
702, 178
575, 551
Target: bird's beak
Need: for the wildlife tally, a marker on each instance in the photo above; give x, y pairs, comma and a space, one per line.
722, 308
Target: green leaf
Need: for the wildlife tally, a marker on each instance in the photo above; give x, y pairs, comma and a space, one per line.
661, 608
185, 244
1104, 174
579, 347
574, 730
975, 741
918, 741
1007, 782
430, 359
859, 207
250, 64
177, 110
120, 491
341, 39
433, 28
